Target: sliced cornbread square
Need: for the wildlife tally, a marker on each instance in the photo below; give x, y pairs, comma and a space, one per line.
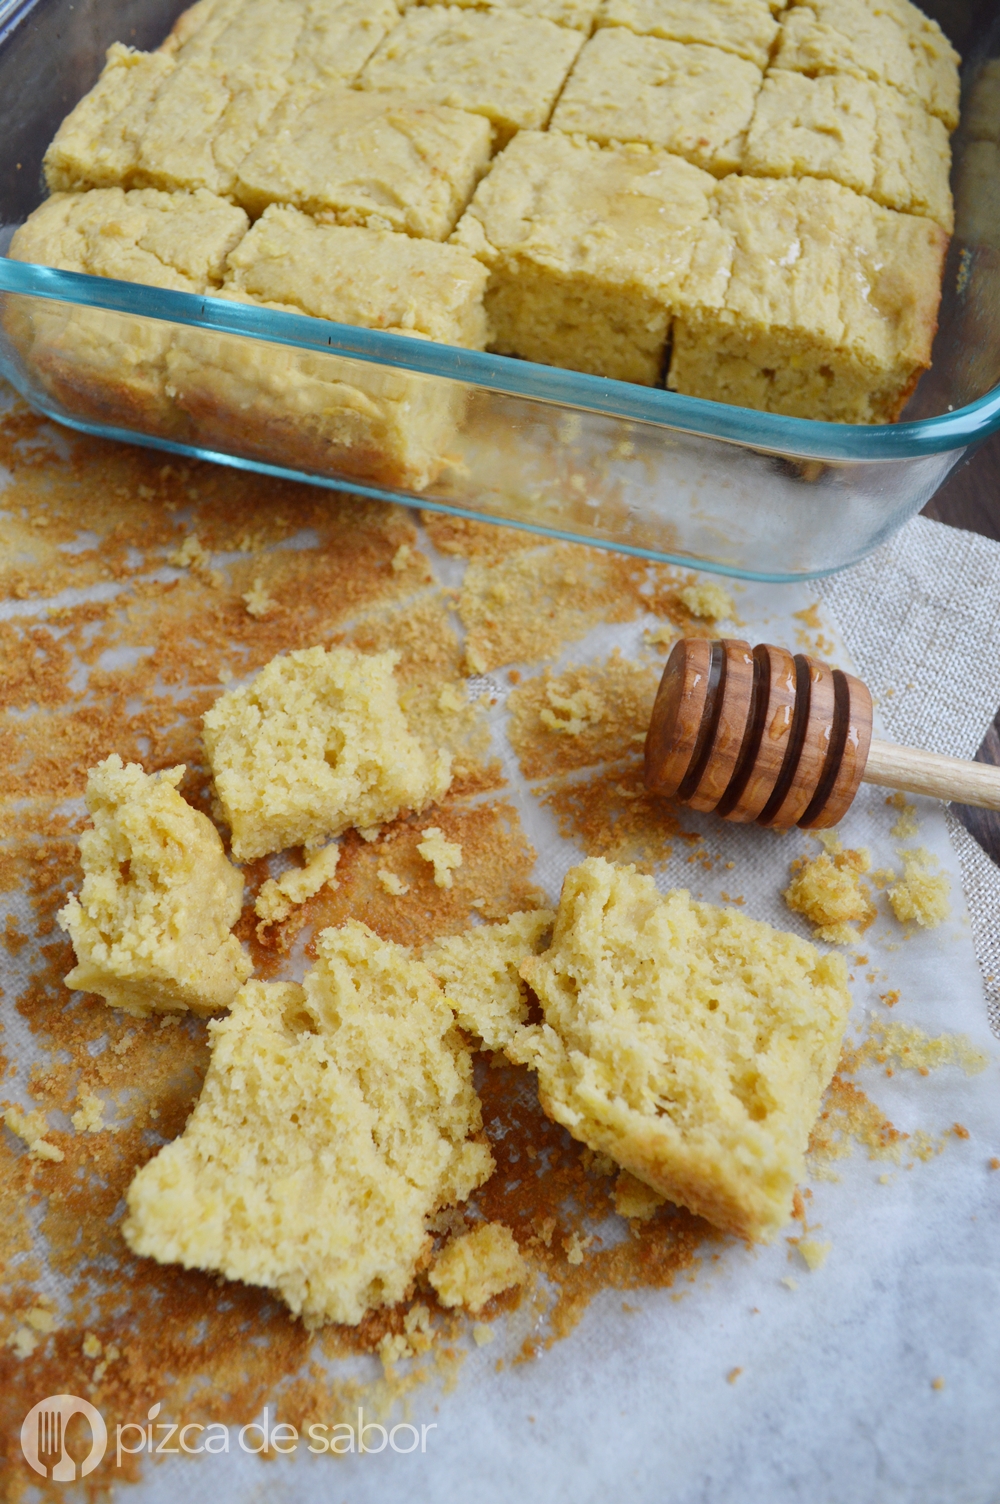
335, 1118
105, 365
690, 1043
96, 145
498, 63
888, 41
479, 971
868, 136
746, 27
315, 744
578, 15
589, 249
152, 926
694, 101
830, 308
356, 158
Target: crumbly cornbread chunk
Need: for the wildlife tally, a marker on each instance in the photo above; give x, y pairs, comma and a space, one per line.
279, 896
498, 63
479, 971
689, 1043
30, 1128
635, 1199
335, 1118
921, 895
356, 158
152, 925
889, 41
374, 278
578, 15
477, 1265
868, 136
708, 601
830, 308
745, 27
829, 892
316, 743
695, 101
111, 365
590, 249
444, 856
187, 116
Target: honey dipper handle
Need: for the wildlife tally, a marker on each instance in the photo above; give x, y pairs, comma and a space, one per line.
946, 778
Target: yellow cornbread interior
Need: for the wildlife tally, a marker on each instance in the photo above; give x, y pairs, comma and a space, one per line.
315, 744
477, 1265
335, 1118
480, 972
689, 1043
151, 927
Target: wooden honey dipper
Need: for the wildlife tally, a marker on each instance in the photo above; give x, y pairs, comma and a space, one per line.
760, 734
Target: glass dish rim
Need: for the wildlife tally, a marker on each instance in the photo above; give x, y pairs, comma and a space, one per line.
803, 438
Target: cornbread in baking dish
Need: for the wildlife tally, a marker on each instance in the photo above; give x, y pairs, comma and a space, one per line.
152, 925
590, 249
578, 15
746, 27
498, 63
689, 1043
335, 1118
315, 744
829, 309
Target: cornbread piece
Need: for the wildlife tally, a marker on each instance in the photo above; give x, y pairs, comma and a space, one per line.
578, 15
829, 892
315, 744
374, 278
334, 1120
479, 972
694, 101
30, 1128
279, 896
709, 602
689, 1043
590, 249
635, 1199
187, 116
921, 895
358, 158
830, 308
444, 856
867, 136
152, 925
498, 63
745, 27
109, 365
476, 1266
888, 41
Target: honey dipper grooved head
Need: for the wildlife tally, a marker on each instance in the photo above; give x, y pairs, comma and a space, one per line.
757, 734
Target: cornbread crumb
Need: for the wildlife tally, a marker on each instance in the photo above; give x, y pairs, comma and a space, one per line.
482, 1335
89, 1117
690, 1043
921, 895
907, 827
151, 927
635, 1199
937, 1383
23, 1342
92, 1346
476, 1266
41, 1320
575, 1246
479, 971
316, 743
733, 1375
709, 602
257, 601
570, 714
828, 891
401, 558
30, 1128
660, 636
354, 1088
278, 896
813, 1253
444, 856
392, 883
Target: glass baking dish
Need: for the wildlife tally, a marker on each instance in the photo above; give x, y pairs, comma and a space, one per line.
560, 453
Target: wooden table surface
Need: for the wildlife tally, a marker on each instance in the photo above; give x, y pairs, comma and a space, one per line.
970, 498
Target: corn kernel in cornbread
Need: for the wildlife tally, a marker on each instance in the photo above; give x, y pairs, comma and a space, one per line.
867, 136
578, 15
589, 250
111, 365
694, 101
745, 27
335, 1118
356, 158
920, 896
151, 927
477, 1265
890, 42
829, 892
316, 743
496, 63
830, 308
479, 971
689, 1043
